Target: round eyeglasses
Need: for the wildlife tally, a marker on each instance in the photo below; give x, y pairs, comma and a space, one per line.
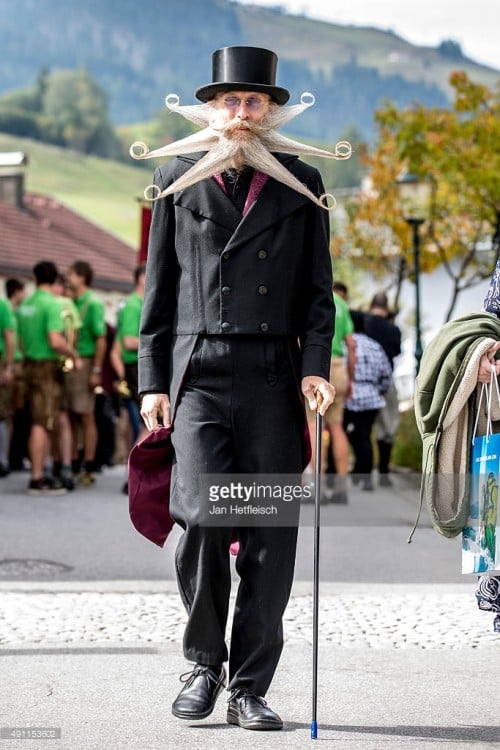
252, 103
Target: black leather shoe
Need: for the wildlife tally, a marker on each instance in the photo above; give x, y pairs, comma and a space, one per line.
197, 698
251, 712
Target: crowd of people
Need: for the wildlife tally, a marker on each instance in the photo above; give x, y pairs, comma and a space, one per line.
366, 408
65, 375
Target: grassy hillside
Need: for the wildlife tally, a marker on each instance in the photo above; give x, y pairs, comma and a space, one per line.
104, 191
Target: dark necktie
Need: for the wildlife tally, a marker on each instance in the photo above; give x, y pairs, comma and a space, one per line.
237, 184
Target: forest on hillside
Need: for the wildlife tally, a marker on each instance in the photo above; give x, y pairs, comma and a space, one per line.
138, 53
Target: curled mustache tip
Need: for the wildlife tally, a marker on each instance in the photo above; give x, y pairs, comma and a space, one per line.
323, 201
172, 100
343, 150
307, 99
138, 150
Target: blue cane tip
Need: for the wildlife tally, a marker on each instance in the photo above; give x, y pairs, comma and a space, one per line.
314, 730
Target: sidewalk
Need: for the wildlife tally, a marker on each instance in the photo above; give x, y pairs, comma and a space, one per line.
398, 667
91, 632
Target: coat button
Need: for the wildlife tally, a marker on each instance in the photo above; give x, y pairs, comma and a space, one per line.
262, 255
263, 289
226, 255
226, 327
226, 290
264, 327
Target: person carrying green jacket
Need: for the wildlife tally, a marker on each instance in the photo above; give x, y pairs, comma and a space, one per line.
445, 404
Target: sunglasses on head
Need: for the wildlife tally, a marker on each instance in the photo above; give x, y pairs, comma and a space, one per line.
252, 103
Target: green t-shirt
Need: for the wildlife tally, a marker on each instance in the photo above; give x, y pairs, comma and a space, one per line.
343, 325
128, 325
38, 316
91, 311
18, 354
7, 323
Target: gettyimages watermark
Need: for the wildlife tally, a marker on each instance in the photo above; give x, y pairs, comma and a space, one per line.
253, 499
288, 499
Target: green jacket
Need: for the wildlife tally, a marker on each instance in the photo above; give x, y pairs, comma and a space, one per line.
445, 403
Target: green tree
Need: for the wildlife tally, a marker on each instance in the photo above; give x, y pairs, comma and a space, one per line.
65, 107
75, 113
458, 149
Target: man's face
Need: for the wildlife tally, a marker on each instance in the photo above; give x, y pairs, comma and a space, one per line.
243, 105
58, 288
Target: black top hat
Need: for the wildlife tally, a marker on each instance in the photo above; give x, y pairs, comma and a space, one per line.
243, 69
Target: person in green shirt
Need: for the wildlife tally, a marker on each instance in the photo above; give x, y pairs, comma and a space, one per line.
41, 328
127, 335
342, 365
129, 318
20, 424
63, 446
16, 292
91, 347
7, 350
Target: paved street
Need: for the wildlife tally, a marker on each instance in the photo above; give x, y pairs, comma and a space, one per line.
87, 535
91, 632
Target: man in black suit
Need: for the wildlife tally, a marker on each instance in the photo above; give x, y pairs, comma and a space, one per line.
236, 329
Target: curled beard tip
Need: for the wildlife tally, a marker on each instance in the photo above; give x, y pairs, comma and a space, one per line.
307, 99
152, 193
343, 150
323, 201
138, 150
172, 100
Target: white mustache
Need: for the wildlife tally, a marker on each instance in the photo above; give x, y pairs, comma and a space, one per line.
219, 138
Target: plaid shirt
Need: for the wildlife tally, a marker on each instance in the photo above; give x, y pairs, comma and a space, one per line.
372, 375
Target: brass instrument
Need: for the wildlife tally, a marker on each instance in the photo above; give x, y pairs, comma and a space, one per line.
123, 389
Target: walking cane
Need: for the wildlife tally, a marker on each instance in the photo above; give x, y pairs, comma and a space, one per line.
317, 496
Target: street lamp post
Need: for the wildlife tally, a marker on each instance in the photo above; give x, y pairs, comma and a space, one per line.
415, 199
415, 227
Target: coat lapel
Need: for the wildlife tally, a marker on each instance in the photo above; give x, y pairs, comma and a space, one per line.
275, 202
208, 199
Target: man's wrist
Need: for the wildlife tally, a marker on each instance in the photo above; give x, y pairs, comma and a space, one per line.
96, 370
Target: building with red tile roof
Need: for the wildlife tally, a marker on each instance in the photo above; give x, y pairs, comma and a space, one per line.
37, 227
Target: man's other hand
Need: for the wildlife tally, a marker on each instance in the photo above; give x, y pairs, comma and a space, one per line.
155, 405
319, 393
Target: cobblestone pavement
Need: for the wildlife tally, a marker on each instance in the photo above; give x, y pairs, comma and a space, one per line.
389, 616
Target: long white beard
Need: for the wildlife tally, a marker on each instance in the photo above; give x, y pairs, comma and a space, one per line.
227, 146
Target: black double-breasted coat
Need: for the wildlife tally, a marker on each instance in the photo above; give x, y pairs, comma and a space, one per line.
232, 286
210, 271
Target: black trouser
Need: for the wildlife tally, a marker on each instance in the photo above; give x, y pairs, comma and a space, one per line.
239, 411
358, 426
